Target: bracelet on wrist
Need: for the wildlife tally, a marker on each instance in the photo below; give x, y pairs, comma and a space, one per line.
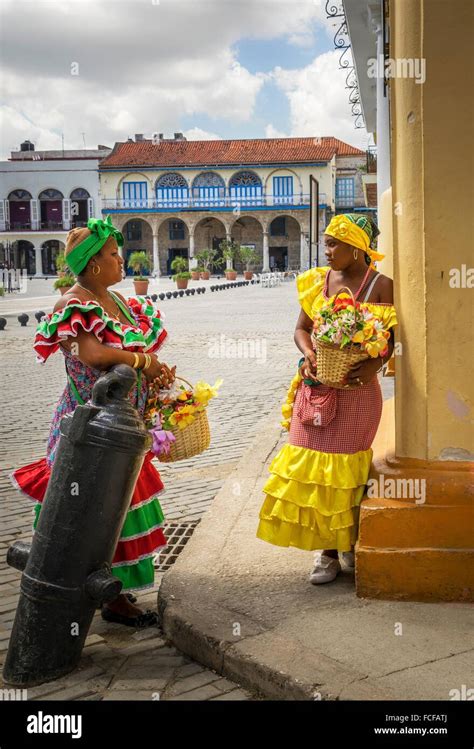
136, 361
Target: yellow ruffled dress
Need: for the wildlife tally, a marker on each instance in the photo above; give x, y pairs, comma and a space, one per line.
313, 495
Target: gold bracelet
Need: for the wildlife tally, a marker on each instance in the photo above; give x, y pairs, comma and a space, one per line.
136, 361
147, 361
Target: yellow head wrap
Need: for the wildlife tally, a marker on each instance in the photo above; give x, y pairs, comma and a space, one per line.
348, 228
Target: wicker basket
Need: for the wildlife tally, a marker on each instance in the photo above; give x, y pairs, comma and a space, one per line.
190, 441
333, 362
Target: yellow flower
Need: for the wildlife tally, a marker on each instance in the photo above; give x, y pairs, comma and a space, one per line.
203, 392
182, 397
183, 416
374, 348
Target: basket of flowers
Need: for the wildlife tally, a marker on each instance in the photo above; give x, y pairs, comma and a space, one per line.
344, 333
177, 419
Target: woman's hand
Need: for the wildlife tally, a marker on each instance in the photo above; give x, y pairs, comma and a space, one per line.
363, 372
167, 376
159, 372
309, 366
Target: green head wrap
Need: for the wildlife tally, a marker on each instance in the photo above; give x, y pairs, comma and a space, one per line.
101, 231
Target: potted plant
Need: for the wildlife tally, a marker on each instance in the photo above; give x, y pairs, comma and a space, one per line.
196, 273
61, 265
64, 283
206, 258
230, 252
139, 262
249, 257
181, 272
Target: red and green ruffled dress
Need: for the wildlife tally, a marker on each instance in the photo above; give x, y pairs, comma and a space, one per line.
142, 533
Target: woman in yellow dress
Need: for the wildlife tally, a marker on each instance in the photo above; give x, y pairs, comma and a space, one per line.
318, 478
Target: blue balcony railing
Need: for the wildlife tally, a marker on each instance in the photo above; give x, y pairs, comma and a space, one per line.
202, 203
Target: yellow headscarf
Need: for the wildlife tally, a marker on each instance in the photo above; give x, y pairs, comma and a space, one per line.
346, 227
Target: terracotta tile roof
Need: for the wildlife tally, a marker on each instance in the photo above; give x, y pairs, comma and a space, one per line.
171, 153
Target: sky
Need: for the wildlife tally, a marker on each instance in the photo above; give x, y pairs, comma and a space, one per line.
99, 71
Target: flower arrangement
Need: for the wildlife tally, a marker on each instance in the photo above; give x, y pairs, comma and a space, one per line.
175, 409
345, 323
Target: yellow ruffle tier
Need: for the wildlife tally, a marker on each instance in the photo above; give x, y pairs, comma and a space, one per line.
313, 498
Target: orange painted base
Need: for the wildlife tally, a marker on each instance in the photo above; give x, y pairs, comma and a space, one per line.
416, 551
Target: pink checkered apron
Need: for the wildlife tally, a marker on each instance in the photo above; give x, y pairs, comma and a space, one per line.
335, 420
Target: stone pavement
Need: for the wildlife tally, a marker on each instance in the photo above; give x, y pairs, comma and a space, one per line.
251, 388
247, 609
203, 334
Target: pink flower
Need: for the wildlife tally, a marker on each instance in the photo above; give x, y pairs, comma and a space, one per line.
162, 440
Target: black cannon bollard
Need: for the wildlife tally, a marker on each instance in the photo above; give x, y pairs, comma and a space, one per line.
39, 315
66, 568
23, 319
3, 323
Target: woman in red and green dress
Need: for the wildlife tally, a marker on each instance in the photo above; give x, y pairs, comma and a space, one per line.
318, 478
95, 328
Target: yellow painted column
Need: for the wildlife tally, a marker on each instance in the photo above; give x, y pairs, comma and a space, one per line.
408, 548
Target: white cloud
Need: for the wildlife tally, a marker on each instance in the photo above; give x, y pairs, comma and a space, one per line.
143, 65
319, 101
272, 132
195, 133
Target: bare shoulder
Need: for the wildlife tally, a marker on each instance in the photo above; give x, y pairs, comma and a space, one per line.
64, 299
385, 290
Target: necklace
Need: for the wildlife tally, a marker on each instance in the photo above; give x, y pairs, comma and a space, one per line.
116, 316
356, 293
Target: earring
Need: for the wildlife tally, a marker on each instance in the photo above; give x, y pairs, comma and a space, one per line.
96, 270
356, 254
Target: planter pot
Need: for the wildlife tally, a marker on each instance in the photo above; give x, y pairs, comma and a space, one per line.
64, 289
205, 275
141, 287
248, 275
195, 275
231, 275
181, 283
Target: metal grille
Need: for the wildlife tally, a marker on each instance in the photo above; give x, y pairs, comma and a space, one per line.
177, 536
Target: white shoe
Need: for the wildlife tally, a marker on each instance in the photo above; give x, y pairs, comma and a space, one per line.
348, 559
325, 570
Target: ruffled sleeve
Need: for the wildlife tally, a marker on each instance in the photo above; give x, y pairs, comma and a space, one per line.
150, 320
147, 334
309, 285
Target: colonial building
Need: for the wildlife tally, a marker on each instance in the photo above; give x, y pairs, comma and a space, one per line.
43, 194
175, 197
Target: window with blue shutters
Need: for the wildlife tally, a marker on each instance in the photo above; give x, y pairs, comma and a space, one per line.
176, 229
283, 190
245, 188
134, 194
134, 231
208, 190
345, 191
172, 191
